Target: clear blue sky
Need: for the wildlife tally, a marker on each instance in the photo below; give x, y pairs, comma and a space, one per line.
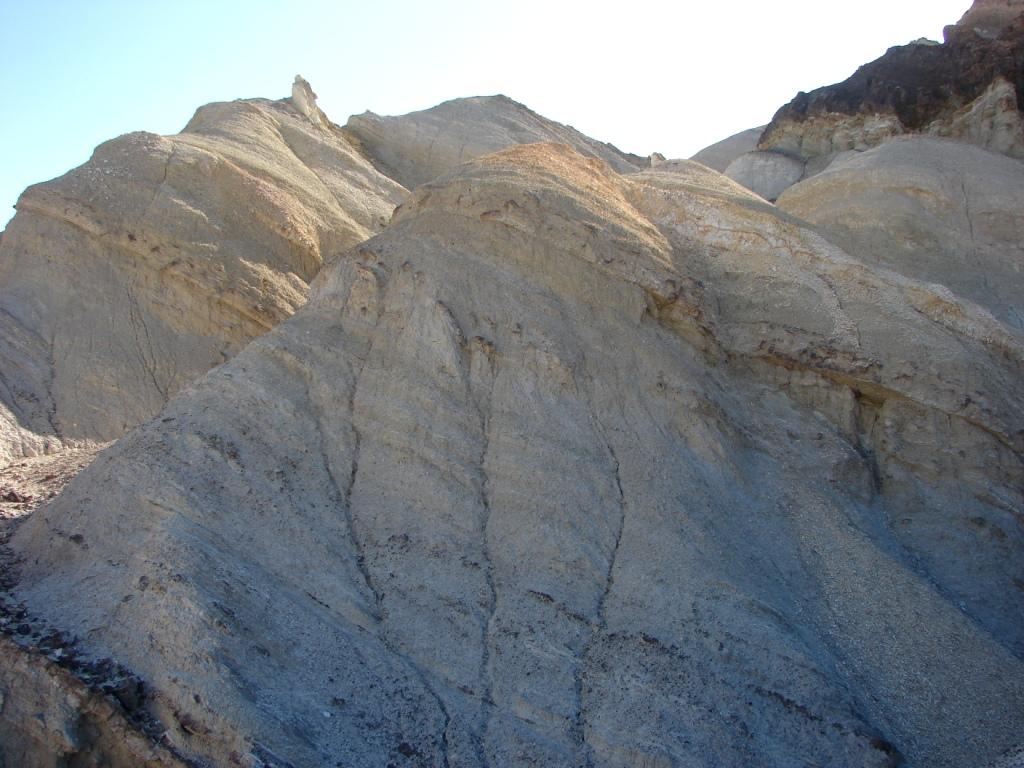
647, 76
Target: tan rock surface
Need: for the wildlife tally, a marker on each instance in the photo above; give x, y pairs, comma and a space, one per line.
29, 482
420, 146
938, 211
989, 18
992, 121
568, 468
161, 257
50, 719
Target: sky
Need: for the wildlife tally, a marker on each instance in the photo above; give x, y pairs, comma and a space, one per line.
648, 76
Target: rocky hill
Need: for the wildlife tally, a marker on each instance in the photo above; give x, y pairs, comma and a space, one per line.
575, 459
161, 257
420, 146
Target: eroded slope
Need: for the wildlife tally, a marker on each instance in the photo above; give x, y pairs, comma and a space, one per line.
570, 469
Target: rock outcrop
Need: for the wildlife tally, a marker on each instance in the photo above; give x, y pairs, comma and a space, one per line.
49, 718
970, 87
988, 19
768, 174
304, 100
420, 146
161, 257
935, 210
720, 154
572, 468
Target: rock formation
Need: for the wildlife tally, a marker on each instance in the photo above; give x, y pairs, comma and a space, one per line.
969, 88
720, 154
51, 718
768, 174
420, 146
583, 459
950, 89
163, 256
570, 468
304, 100
940, 211
988, 18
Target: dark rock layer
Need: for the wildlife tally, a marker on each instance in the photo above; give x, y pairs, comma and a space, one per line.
921, 83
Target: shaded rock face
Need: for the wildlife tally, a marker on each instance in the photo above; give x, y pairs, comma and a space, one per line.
420, 146
569, 468
50, 719
720, 154
161, 257
938, 211
767, 174
939, 89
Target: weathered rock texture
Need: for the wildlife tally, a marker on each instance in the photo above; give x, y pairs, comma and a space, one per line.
970, 87
50, 719
163, 256
420, 146
939, 211
570, 468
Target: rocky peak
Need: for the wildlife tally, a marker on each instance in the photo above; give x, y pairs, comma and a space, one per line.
304, 100
419, 146
917, 89
987, 19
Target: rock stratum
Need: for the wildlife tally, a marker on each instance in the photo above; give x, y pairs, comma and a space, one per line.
574, 459
161, 257
940, 211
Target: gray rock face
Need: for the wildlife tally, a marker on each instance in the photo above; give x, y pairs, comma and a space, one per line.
420, 146
161, 257
768, 174
720, 154
570, 468
939, 211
